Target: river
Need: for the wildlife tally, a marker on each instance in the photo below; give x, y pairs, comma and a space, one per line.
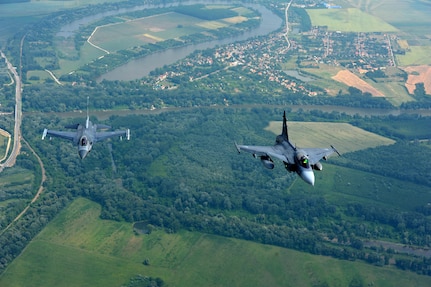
141, 67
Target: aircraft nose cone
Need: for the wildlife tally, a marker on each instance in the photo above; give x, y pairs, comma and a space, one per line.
83, 153
308, 176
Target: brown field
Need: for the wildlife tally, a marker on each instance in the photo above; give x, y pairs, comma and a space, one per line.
418, 74
235, 20
348, 78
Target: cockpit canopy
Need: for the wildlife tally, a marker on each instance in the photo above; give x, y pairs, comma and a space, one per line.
303, 160
83, 141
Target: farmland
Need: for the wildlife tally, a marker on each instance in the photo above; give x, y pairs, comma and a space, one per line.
344, 137
419, 74
348, 20
151, 29
82, 249
351, 80
133, 34
371, 17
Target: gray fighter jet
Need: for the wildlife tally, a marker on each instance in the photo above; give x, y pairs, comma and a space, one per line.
300, 160
86, 135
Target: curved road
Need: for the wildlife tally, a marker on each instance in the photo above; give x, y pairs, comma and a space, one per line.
10, 161
287, 24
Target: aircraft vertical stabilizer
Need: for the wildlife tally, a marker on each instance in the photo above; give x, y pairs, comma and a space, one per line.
284, 131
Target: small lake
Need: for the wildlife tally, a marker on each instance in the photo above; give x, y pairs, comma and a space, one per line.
295, 74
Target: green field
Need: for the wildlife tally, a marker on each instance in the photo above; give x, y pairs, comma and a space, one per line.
141, 31
348, 185
345, 137
129, 33
79, 248
417, 55
411, 16
87, 54
348, 20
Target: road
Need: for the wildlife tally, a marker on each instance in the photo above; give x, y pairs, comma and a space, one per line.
286, 34
10, 161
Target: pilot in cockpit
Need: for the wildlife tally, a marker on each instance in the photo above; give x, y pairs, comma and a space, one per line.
83, 141
303, 161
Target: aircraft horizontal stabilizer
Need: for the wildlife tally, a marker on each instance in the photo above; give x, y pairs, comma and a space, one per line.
99, 126
74, 126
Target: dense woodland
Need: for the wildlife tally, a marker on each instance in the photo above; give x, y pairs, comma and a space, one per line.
157, 178
181, 171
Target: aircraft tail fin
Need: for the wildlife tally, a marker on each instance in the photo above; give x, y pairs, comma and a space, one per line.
284, 132
87, 122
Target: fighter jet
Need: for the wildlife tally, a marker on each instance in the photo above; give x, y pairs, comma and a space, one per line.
86, 135
300, 160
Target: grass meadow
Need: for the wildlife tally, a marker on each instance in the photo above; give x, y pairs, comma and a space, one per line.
344, 136
411, 16
395, 92
79, 248
126, 34
13, 183
346, 185
88, 54
417, 55
348, 20
121, 36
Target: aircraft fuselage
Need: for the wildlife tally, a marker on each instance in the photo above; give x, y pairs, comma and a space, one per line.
84, 139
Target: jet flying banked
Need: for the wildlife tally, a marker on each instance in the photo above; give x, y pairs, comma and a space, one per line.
300, 160
86, 135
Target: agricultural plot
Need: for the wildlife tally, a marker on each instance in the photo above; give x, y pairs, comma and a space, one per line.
352, 80
153, 29
418, 74
410, 16
416, 55
79, 248
345, 137
395, 92
347, 185
348, 20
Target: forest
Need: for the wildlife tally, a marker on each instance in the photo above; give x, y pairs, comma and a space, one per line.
157, 178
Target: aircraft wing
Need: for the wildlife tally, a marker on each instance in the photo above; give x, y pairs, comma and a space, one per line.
270, 151
316, 154
65, 135
104, 135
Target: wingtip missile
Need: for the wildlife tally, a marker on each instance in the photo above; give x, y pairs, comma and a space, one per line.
45, 131
128, 134
237, 147
335, 150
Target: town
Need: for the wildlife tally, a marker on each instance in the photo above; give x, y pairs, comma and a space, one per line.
309, 47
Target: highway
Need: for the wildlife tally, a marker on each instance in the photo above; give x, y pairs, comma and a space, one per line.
10, 161
17, 137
